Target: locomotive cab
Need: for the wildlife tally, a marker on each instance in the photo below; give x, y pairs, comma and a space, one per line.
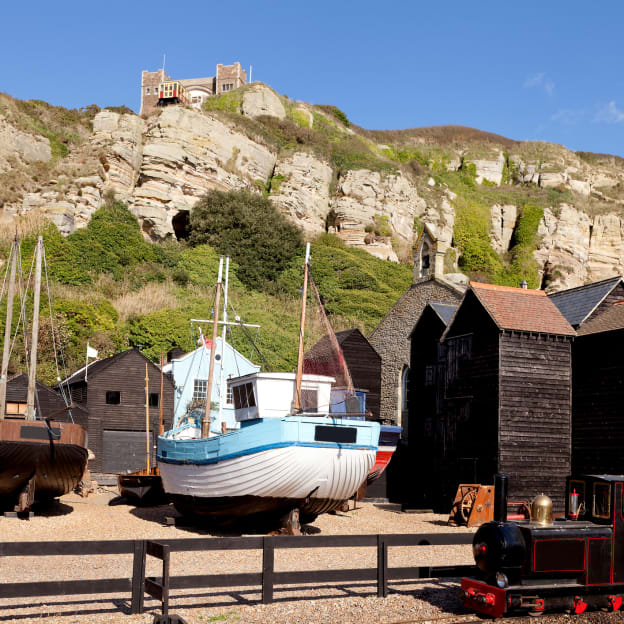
572, 562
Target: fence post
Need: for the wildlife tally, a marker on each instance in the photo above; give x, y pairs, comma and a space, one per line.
268, 567
138, 577
382, 567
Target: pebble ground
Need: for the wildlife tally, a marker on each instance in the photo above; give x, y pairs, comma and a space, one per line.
93, 518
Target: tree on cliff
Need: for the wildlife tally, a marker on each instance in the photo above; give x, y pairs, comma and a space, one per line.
248, 228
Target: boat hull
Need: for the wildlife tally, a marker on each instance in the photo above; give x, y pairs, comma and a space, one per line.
280, 473
56, 456
389, 437
140, 488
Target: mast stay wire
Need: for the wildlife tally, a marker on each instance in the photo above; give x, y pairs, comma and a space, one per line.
63, 392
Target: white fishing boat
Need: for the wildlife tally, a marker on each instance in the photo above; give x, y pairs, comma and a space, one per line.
289, 455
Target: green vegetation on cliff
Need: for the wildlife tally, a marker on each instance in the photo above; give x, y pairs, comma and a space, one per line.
112, 288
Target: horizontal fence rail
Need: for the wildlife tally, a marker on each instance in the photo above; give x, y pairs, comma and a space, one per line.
267, 578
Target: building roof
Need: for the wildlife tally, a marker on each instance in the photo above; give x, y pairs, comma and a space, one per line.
577, 304
51, 403
444, 310
609, 320
522, 309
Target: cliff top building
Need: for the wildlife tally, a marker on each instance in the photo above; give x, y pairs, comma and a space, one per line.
227, 78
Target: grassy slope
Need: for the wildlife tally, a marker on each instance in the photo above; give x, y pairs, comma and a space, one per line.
128, 292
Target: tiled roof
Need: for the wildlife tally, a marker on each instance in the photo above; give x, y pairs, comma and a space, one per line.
608, 320
522, 309
576, 304
444, 310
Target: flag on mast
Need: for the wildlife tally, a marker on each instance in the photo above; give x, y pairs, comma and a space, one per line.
91, 353
203, 340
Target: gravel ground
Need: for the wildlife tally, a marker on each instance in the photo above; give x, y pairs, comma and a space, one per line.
75, 518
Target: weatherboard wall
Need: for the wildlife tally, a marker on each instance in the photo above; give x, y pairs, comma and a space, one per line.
598, 397
534, 424
107, 423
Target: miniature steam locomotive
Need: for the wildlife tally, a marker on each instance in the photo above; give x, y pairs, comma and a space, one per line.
572, 563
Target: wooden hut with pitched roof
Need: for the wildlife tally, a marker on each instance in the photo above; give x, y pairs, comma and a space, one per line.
584, 303
504, 378
598, 394
426, 394
111, 391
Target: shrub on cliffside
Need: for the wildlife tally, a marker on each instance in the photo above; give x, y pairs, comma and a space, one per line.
248, 228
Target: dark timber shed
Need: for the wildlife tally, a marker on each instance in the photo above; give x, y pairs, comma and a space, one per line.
112, 391
503, 396
584, 303
598, 394
425, 398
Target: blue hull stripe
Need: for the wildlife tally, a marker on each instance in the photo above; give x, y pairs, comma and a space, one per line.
259, 449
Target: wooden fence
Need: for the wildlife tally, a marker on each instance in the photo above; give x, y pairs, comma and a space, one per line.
138, 584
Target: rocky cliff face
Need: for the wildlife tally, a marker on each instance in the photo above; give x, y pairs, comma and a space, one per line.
161, 165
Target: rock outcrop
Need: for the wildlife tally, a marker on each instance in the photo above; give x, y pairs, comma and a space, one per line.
161, 166
260, 100
17, 144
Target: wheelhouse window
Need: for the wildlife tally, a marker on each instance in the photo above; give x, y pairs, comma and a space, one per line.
244, 396
309, 400
200, 387
154, 399
113, 397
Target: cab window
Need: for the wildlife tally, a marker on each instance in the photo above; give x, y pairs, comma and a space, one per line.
602, 500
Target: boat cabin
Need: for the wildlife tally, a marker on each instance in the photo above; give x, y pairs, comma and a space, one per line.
270, 395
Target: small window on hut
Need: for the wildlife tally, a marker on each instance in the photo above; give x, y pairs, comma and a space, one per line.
429, 375
15, 410
458, 349
113, 397
154, 399
602, 500
199, 389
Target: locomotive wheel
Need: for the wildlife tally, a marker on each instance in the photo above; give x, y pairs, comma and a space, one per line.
467, 503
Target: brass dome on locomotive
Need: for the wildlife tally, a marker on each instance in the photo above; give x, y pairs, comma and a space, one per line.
542, 510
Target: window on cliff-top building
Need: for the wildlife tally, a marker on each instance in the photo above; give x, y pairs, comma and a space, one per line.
147, 90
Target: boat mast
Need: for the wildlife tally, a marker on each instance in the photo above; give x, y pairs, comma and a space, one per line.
7, 329
32, 372
223, 395
213, 345
161, 429
304, 295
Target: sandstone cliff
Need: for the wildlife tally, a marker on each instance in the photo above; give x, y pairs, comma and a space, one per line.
374, 190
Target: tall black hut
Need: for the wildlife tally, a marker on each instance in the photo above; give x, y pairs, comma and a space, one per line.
425, 396
598, 394
503, 395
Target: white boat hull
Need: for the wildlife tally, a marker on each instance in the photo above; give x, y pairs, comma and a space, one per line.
313, 479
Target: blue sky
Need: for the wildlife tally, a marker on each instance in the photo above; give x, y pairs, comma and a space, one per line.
549, 70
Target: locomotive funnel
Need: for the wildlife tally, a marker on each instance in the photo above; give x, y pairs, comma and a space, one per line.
501, 483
